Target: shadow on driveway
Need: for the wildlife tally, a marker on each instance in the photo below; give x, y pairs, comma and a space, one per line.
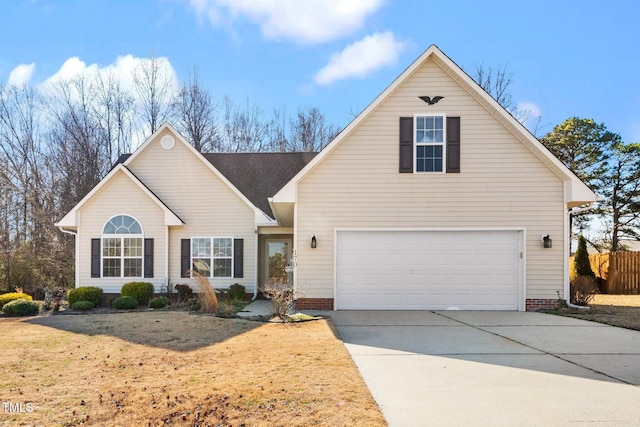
494, 368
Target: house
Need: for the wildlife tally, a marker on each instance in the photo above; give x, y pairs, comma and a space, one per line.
433, 198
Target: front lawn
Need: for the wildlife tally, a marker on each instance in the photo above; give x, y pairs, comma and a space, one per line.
176, 368
614, 310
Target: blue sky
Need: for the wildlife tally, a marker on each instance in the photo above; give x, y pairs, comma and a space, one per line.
569, 58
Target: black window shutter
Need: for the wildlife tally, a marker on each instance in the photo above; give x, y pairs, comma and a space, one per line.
406, 144
185, 257
238, 258
453, 144
148, 257
95, 258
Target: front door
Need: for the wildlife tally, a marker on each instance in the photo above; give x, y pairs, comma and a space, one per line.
277, 253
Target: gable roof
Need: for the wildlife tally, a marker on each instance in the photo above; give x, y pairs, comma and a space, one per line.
70, 219
576, 192
256, 175
261, 216
259, 175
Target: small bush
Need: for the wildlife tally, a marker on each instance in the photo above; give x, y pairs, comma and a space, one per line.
184, 292
21, 307
86, 293
581, 262
281, 295
195, 304
124, 303
226, 310
82, 306
142, 292
12, 296
236, 292
583, 289
53, 298
159, 302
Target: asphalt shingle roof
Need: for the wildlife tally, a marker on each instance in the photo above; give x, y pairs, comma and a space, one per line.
256, 175
259, 175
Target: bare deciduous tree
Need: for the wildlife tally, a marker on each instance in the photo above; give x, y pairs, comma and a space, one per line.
244, 128
29, 205
154, 85
115, 110
58, 142
497, 83
195, 115
310, 131
77, 139
278, 141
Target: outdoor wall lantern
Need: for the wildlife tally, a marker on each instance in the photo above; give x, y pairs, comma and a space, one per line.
546, 242
314, 242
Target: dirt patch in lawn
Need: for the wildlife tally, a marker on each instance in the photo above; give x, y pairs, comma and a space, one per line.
174, 368
615, 310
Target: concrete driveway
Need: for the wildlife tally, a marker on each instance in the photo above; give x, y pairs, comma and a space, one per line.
458, 368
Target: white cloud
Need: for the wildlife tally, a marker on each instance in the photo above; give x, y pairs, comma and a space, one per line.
310, 21
21, 75
530, 108
361, 58
122, 70
529, 114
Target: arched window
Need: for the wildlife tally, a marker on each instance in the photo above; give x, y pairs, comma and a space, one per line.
122, 253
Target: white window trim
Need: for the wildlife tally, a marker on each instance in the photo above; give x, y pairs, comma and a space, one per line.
416, 144
212, 258
122, 256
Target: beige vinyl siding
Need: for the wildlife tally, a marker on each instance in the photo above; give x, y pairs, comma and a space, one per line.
206, 204
501, 184
120, 196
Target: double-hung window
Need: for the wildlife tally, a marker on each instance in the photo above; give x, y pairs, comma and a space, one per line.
429, 143
212, 256
122, 253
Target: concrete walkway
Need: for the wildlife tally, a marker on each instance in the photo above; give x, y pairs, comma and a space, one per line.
460, 368
257, 308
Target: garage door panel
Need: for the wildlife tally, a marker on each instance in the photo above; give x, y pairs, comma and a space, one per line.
428, 270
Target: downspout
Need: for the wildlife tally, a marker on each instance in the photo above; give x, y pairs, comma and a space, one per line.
255, 264
166, 257
76, 244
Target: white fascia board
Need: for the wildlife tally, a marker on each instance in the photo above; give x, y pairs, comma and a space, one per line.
576, 193
170, 218
288, 192
283, 212
262, 219
69, 221
579, 189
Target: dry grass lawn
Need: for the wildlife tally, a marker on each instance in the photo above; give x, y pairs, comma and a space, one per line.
615, 310
175, 368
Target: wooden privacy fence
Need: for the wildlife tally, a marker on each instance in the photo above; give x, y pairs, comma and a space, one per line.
621, 270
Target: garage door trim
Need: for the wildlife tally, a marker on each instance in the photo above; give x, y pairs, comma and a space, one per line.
521, 294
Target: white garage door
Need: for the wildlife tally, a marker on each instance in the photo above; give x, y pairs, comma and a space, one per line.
429, 270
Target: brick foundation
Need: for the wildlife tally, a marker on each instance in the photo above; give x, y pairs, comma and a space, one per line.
540, 304
314, 304
108, 299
